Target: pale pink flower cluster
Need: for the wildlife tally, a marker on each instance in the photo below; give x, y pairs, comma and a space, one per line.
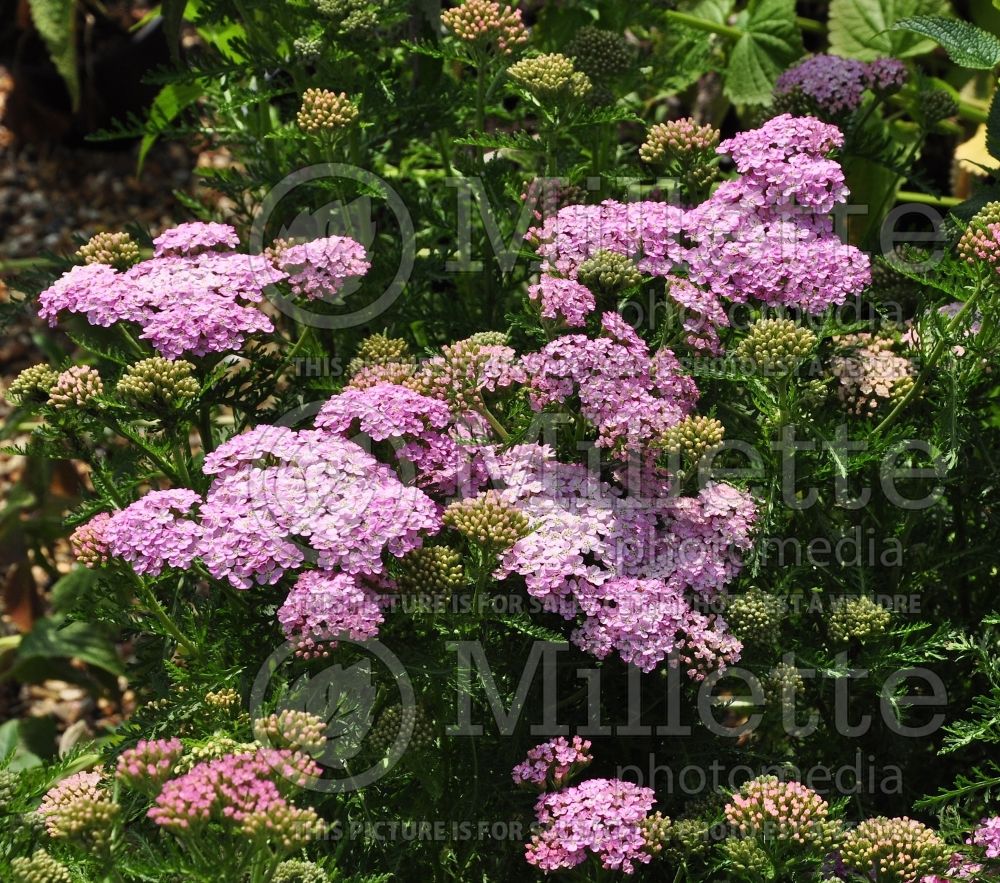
767, 235
787, 811
77, 806
241, 790
987, 835
155, 531
563, 299
323, 606
195, 237
627, 395
600, 817
149, 764
321, 268
553, 763
626, 561
88, 543
191, 297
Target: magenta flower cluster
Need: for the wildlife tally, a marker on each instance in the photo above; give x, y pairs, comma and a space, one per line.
553, 763
196, 294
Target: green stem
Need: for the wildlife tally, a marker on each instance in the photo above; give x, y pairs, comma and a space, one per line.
166, 468
927, 198
492, 420
157, 609
810, 25
703, 24
932, 361
205, 428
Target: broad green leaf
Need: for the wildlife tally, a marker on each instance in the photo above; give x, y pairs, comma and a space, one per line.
168, 104
70, 588
966, 44
78, 640
863, 29
56, 22
770, 43
173, 17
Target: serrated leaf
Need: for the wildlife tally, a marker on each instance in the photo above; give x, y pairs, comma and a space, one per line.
966, 44
770, 43
78, 640
863, 29
55, 20
993, 128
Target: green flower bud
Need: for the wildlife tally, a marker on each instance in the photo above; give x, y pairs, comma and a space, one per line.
8, 788
225, 701
289, 728
76, 387
609, 272
487, 521
860, 619
895, 850
32, 385
325, 111
782, 683
299, 871
600, 54
689, 840
378, 349
118, 250
693, 438
656, 830
40, 868
936, 105
158, 381
431, 570
550, 78
776, 346
308, 49
746, 857
755, 617
679, 141
383, 735
487, 25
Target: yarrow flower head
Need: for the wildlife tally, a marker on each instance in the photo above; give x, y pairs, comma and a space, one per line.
88, 541
80, 808
859, 619
322, 267
831, 86
378, 349
155, 531
693, 438
686, 150
149, 764
118, 250
553, 763
487, 25
550, 78
398, 724
599, 53
76, 388
987, 835
601, 817
870, 374
981, 240
40, 867
299, 871
468, 369
293, 729
322, 607
32, 385
325, 111
195, 237
246, 792
158, 381
189, 298
609, 272
767, 808
563, 299
897, 850
776, 346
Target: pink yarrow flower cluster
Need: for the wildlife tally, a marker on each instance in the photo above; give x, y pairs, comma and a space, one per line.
766, 236
155, 531
197, 295
553, 763
987, 835
241, 790
600, 817
149, 764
